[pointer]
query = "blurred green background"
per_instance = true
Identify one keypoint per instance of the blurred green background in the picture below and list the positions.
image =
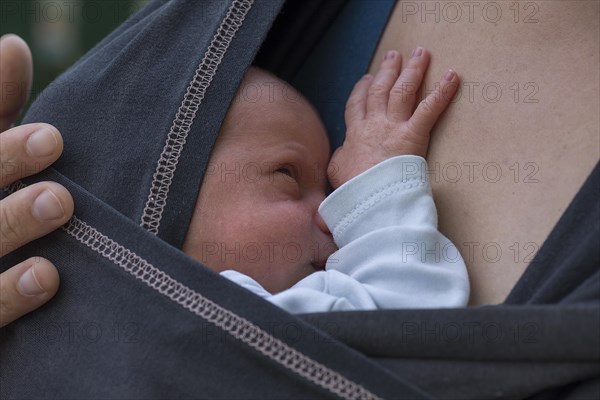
(60, 31)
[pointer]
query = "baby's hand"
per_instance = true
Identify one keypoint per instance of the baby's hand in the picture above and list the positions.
(381, 119)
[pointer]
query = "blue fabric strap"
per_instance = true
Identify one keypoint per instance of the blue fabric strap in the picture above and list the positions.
(340, 59)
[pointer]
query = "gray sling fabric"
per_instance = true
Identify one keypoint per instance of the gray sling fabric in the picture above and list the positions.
(137, 318)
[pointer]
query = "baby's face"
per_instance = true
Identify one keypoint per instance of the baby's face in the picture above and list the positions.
(257, 209)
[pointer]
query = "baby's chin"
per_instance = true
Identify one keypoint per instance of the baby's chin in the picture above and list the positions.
(318, 265)
(302, 271)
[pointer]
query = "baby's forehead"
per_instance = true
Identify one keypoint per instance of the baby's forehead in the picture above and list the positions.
(262, 96)
(268, 109)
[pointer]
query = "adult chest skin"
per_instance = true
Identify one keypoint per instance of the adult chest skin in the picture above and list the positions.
(523, 134)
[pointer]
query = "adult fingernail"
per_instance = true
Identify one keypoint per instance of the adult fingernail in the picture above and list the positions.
(389, 55)
(417, 52)
(28, 284)
(41, 143)
(449, 75)
(47, 207)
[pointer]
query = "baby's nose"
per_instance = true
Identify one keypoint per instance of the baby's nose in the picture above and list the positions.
(321, 224)
(326, 245)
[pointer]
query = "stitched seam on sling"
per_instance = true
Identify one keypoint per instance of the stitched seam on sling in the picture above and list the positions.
(238, 327)
(176, 139)
(13, 187)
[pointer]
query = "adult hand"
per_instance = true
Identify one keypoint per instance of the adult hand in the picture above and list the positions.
(36, 210)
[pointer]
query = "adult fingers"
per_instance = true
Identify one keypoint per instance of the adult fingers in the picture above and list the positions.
(27, 149)
(25, 287)
(16, 74)
(429, 110)
(379, 91)
(33, 212)
(404, 93)
(356, 106)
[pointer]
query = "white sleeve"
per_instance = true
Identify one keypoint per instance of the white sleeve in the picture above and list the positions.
(390, 255)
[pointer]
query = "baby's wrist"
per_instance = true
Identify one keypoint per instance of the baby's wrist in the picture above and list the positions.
(342, 172)
(408, 167)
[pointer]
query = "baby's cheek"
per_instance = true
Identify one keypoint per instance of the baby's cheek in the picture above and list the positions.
(294, 228)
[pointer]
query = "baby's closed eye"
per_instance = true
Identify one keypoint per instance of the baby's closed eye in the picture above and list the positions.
(286, 170)
(285, 179)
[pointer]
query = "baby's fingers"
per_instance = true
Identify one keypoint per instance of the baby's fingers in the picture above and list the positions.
(429, 110)
(356, 106)
(404, 93)
(382, 83)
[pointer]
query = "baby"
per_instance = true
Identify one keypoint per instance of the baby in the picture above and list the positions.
(262, 218)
